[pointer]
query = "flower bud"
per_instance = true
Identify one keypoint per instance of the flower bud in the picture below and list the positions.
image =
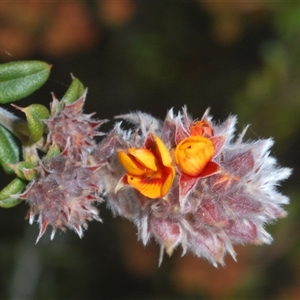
(192, 155)
(201, 128)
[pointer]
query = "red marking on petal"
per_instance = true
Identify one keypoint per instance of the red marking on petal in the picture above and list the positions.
(210, 169)
(167, 180)
(149, 187)
(149, 142)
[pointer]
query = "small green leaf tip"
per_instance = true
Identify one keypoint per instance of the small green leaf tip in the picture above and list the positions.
(14, 187)
(74, 92)
(9, 150)
(36, 128)
(35, 113)
(53, 151)
(21, 78)
(38, 110)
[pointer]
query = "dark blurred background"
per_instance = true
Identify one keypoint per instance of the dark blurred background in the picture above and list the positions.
(238, 58)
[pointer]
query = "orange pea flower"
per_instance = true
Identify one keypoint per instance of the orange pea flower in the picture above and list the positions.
(223, 194)
(193, 153)
(149, 170)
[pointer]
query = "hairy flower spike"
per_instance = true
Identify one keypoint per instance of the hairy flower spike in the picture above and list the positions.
(223, 192)
(63, 195)
(211, 190)
(66, 185)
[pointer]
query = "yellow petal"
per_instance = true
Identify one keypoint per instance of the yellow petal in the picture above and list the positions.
(148, 187)
(145, 157)
(129, 165)
(193, 153)
(163, 151)
(168, 182)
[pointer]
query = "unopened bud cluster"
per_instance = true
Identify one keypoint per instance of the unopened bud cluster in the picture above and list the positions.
(66, 190)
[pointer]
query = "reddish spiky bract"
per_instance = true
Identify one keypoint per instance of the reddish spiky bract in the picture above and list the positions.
(63, 195)
(228, 203)
(69, 122)
(66, 189)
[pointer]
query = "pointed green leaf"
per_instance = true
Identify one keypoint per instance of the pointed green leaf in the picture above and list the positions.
(34, 114)
(21, 78)
(9, 150)
(74, 92)
(9, 202)
(38, 110)
(14, 187)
